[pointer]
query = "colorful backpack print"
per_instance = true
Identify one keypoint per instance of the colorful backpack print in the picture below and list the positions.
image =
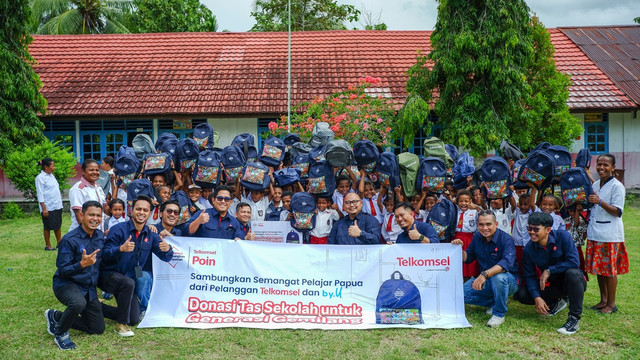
(255, 176)
(207, 169)
(303, 207)
(272, 151)
(496, 177)
(156, 163)
(398, 302)
(203, 136)
(186, 154)
(576, 187)
(431, 175)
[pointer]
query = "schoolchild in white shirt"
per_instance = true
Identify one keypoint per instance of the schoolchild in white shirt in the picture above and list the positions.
(325, 218)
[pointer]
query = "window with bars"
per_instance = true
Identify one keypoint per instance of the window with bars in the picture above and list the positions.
(596, 131)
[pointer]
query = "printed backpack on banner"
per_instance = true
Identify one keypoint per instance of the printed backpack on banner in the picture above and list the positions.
(576, 188)
(409, 164)
(317, 154)
(142, 145)
(286, 176)
(562, 160)
(539, 169)
(443, 217)
(321, 134)
(398, 302)
(255, 176)
(203, 136)
(207, 169)
(510, 151)
(583, 159)
(434, 147)
(338, 153)
(126, 162)
(136, 188)
(184, 202)
(291, 139)
(232, 161)
(246, 143)
(388, 170)
(431, 175)
(496, 177)
(452, 151)
(167, 138)
(158, 163)
(366, 154)
(186, 154)
(321, 180)
(272, 151)
(303, 207)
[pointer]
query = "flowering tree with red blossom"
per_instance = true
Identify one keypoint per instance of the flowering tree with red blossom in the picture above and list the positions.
(353, 114)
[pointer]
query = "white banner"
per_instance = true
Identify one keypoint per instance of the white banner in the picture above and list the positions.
(214, 283)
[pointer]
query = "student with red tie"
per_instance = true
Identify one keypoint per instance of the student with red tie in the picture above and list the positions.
(369, 196)
(390, 228)
(467, 212)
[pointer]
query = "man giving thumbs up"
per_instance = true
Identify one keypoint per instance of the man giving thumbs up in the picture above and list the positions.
(357, 228)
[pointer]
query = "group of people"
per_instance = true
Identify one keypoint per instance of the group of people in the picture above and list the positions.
(521, 246)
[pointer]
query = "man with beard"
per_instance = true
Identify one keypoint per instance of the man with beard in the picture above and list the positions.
(357, 228)
(495, 252)
(74, 283)
(415, 232)
(126, 251)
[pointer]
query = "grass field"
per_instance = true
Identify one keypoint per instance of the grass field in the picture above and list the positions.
(25, 292)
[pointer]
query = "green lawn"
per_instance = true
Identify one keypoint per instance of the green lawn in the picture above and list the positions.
(25, 293)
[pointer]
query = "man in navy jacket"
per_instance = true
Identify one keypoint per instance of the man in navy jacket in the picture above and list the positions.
(126, 250)
(357, 228)
(414, 231)
(554, 254)
(74, 283)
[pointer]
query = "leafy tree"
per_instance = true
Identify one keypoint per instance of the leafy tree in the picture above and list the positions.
(20, 102)
(151, 16)
(637, 20)
(370, 20)
(306, 15)
(493, 70)
(22, 166)
(57, 17)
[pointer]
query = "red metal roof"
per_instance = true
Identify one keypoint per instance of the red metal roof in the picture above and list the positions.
(615, 50)
(234, 74)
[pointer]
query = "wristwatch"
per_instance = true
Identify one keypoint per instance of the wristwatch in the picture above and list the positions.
(484, 273)
(421, 238)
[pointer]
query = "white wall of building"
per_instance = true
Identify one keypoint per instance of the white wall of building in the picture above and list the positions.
(228, 128)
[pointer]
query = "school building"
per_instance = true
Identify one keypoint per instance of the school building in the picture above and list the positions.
(102, 90)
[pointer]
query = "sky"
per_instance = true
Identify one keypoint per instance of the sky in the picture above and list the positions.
(234, 15)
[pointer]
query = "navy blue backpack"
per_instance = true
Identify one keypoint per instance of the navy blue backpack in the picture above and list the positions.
(272, 151)
(203, 136)
(542, 146)
(321, 179)
(443, 217)
(136, 188)
(517, 184)
(186, 154)
(158, 163)
(207, 169)
(184, 202)
(562, 159)
(317, 154)
(273, 214)
(496, 177)
(246, 142)
(255, 176)
(576, 188)
(169, 139)
(583, 159)
(286, 176)
(388, 170)
(398, 302)
(232, 161)
(431, 175)
(291, 139)
(452, 151)
(303, 208)
(126, 162)
(366, 154)
(539, 169)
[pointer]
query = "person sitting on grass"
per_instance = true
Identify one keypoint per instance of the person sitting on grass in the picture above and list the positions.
(76, 278)
(554, 254)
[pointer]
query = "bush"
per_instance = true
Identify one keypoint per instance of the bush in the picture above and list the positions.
(21, 166)
(11, 211)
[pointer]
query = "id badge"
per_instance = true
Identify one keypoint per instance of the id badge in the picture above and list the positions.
(138, 272)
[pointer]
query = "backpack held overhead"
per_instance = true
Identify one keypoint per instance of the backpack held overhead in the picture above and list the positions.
(272, 151)
(303, 208)
(510, 151)
(184, 202)
(539, 169)
(136, 188)
(434, 147)
(338, 153)
(207, 169)
(126, 162)
(576, 188)
(203, 136)
(232, 161)
(186, 154)
(398, 302)
(388, 170)
(286, 176)
(431, 175)
(443, 218)
(321, 180)
(496, 177)
(409, 164)
(142, 145)
(561, 159)
(158, 163)
(321, 134)
(583, 159)
(255, 176)
(246, 143)
(366, 154)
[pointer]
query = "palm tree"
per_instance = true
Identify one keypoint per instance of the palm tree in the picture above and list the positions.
(56, 17)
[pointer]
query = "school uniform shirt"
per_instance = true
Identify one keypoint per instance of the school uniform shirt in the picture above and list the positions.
(467, 221)
(424, 229)
(324, 222)
(113, 221)
(504, 217)
(370, 206)
(558, 222)
(218, 227)
(234, 205)
(604, 227)
(283, 215)
(560, 255)
(369, 227)
(68, 261)
(519, 233)
(48, 191)
(258, 209)
(500, 250)
(125, 263)
(422, 215)
(338, 199)
(82, 192)
(390, 228)
(154, 218)
(205, 203)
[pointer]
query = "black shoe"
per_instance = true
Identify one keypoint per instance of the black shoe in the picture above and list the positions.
(561, 304)
(49, 314)
(571, 326)
(64, 342)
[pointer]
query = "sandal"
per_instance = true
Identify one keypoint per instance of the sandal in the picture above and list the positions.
(49, 249)
(595, 307)
(613, 310)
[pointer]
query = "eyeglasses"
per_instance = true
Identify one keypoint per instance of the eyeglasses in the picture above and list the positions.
(174, 212)
(223, 198)
(534, 229)
(486, 212)
(351, 202)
